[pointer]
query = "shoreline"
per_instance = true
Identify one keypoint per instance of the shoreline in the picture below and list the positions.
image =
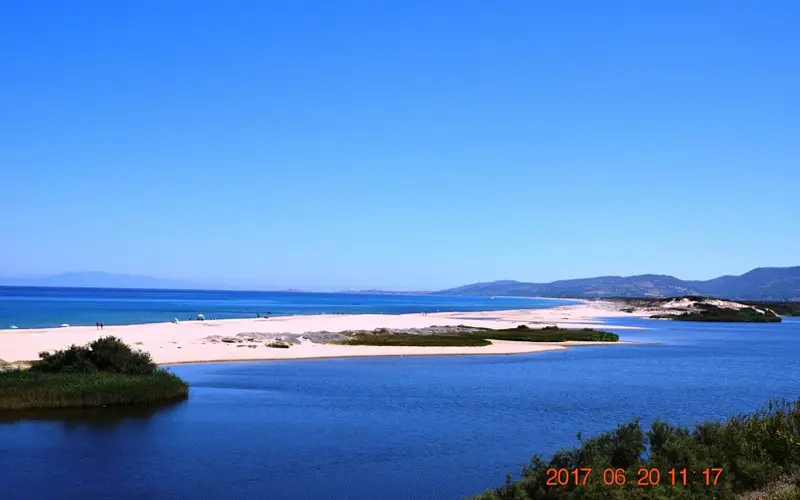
(545, 347)
(191, 341)
(16, 328)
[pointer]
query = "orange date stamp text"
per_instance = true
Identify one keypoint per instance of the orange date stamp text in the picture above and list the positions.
(642, 477)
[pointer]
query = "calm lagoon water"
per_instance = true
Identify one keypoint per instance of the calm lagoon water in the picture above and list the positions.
(31, 307)
(393, 428)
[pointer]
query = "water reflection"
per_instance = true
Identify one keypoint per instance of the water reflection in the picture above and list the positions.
(91, 417)
(390, 428)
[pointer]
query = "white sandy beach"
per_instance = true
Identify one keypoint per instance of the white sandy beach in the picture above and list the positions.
(187, 342)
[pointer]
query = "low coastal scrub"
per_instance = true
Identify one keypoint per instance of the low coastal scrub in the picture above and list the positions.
(709, 309)
(711, 313)
(547, 334)
(104, 372)
(746, 457)
(476, 337)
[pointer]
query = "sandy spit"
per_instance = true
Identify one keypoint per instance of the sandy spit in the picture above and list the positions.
(187, 342)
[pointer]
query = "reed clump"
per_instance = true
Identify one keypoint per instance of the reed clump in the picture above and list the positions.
(103, 373)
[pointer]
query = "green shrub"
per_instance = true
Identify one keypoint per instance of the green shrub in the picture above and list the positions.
(107, 354)
(104, 372)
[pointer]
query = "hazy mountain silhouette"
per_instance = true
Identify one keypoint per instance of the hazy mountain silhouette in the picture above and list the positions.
(98, 280)
(764, 283)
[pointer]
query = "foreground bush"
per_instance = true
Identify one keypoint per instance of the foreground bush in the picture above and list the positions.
(754, 452)
(104, 372)
(107, 354)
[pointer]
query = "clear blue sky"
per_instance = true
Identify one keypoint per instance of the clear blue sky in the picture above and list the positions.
(404, 145)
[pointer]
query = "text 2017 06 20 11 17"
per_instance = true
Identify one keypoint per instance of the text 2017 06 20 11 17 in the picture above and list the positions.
(643, 476)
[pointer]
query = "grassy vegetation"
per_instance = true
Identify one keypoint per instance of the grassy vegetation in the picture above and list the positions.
(711, 313)
(105, 372)
(759, 455)
(480, 337)
(27, 390)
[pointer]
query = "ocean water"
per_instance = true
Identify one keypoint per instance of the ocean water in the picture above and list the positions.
(393, 428)
(32, 307)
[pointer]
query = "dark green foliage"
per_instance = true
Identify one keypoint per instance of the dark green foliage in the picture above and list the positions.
(760, 451)
(107, 354)
(104, 372)
(481, 336)
(25, 389)
(547, 334)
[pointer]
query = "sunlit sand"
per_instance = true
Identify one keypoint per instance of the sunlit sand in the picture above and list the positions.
(187, 342)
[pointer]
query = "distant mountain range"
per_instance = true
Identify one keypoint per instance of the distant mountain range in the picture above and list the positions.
(97, 280)
(764, 283)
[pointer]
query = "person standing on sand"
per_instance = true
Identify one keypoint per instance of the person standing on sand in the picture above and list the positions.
(97, 324)
(101, 325)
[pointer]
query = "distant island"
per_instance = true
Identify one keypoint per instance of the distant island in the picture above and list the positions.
(103, 373)
(762, 284)
(692, 308)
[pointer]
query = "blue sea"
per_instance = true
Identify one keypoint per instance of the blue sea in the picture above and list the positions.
(392, 428)
(34, 307)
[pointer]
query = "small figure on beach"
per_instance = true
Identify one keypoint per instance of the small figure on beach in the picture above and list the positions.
(101, 325)
(97, 324)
